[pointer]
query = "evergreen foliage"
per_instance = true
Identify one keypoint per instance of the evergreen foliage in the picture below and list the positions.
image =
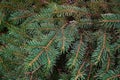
(60, 40)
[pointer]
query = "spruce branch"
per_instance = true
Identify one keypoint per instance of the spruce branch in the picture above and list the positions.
(43, 50)
(115, 76)
(102, 49)
(79, 73)
(77, 52)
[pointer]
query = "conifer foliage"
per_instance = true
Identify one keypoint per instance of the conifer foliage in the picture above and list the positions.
(60, 40)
